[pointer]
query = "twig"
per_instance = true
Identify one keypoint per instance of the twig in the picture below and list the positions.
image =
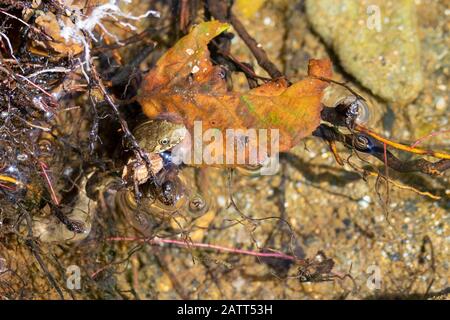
(184, 244)
(128, 135)
(133, 39)
(46, 36)
(49, 182)
(221, 10)
(405, 187)
(432, 134)
(11, 51)
(35, 85)
(34, 250)
(51, 70)
(41, 263)
(257, 50)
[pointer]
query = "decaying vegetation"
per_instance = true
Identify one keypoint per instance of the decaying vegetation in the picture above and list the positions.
(78, 76)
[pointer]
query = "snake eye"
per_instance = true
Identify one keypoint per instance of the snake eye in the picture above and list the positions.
(164, 141)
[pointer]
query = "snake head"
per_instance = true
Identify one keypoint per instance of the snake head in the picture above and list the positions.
(156, 136)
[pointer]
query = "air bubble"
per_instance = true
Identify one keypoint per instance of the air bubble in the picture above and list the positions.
(198, 205)
(355, 108)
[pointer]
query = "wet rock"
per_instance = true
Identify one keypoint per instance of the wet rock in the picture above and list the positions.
(376, 41)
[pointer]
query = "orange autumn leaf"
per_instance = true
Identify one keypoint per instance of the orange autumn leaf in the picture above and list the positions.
(186, 83)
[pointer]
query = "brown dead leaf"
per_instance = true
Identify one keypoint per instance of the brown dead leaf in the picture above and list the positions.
(49, 24)
(186, 83)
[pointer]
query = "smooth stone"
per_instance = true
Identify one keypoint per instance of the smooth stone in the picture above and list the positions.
(384, 57)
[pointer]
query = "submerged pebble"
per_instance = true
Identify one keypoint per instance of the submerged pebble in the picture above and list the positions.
(364, 202)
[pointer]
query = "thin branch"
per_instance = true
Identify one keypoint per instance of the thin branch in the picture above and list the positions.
(256, 48)
(184, 244)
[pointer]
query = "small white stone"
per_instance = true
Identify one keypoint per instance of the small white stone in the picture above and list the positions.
(267, 21)
(3, 266)
(364, 202)
(440, 104)
(195, 69)
(239, 283)
(190, 51)
(221, 201)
